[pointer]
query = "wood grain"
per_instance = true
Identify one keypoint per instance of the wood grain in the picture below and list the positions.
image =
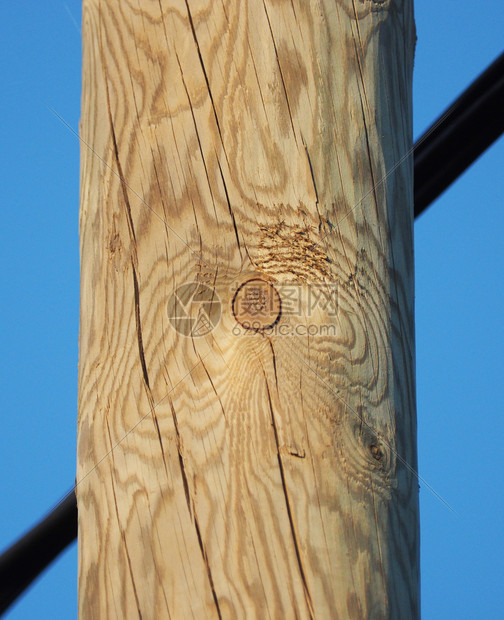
(247, 473)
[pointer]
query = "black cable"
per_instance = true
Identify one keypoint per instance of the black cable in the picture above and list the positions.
(460, 135)
(34, 551)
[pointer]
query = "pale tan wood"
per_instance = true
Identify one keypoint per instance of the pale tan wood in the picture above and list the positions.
(247, 474)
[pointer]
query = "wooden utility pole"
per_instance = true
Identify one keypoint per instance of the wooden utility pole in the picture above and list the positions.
(246, 433)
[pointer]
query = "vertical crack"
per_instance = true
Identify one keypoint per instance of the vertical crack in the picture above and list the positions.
(123, 537)
(205, 559)
(181, 460)
(288, 506)
(207, 81)
(281, 72)
(229, 207)
(141, 354)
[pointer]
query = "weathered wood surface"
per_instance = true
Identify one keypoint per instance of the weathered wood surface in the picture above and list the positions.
(247, 473)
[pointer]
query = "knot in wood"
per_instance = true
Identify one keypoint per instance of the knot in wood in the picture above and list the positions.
(257, 305)
(376, 452)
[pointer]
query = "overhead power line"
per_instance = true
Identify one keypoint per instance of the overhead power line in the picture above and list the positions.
(468, 127)
(460, 135)
(32, 553)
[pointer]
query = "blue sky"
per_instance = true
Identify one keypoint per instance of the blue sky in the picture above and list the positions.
(459, 300)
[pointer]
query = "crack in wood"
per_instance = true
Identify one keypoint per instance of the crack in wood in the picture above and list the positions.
(288, 506)
(207, 565)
